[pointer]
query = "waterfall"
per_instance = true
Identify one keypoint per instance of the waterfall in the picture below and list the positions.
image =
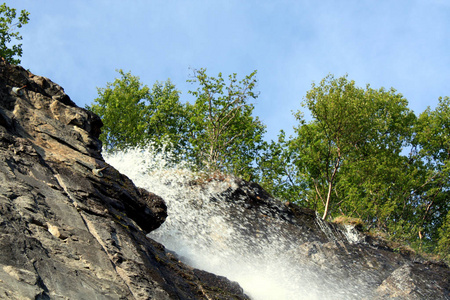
(351, 234)
(325, 228)
(212, 234)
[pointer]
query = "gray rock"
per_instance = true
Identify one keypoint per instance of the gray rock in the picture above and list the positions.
(66, 232)
(359, 266)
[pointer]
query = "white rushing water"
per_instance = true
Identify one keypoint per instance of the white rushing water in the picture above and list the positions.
(205, 236)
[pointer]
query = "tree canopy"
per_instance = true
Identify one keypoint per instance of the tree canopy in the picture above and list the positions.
(9, 22)
(133, 114)
(225, 134)
(217, 131)
(363, 153)
(432, 148)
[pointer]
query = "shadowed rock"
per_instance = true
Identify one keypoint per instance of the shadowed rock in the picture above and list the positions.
(357, 265)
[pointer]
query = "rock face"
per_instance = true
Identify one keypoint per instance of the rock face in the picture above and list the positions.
(366, 267)
(73, 227)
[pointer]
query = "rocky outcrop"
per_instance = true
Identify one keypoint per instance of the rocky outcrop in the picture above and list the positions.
(365, 267)
(73, 227)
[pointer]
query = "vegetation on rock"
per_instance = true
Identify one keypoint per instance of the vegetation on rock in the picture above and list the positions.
(225, 135)
(364, 154)
(217, 132)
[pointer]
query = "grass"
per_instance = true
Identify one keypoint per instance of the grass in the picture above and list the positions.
(344, 220)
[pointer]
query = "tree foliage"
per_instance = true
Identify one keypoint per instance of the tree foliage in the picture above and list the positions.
(432, 142)
(355, 134)
(133, 115)
(9, 22)
(365, 154)
(225, 134)
(278, 172)
(217, 131)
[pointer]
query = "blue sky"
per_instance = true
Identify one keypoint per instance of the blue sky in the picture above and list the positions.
(403, 44)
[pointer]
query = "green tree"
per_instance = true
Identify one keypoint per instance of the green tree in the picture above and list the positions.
(352, 158)
(443, 247)
(167, 121)
(433, 149)
(217, 132)
(225, 134)
(134, 115)
(277, 173)
(8, 25)
(350, 147)
(122, 108)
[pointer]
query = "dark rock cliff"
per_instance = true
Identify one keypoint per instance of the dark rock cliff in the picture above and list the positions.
(73, 227)
(365, 267)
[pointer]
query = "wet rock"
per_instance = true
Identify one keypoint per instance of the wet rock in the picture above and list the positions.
(415, 281)
(342, 260)
(66, 231)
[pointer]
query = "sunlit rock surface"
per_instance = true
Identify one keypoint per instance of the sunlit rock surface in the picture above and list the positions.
(73, 227)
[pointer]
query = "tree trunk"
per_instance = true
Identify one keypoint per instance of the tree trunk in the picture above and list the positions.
(330, 184)
(325, 213)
